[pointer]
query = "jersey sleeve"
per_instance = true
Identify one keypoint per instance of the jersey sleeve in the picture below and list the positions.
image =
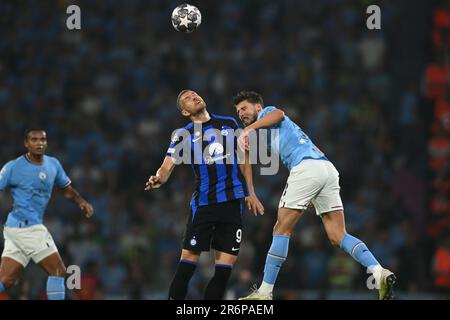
(61, 180)
(265, 111)
(5, 176)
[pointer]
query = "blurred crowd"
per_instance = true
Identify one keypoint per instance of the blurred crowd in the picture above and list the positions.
(437, 90)
(106, 94)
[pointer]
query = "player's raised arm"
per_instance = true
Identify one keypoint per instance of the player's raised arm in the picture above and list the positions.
(270, 119)
(252, 200)
(72, 194)
(162, 175)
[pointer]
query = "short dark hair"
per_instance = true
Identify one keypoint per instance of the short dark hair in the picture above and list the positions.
(250, 96)
(29, 130)
(179, 97)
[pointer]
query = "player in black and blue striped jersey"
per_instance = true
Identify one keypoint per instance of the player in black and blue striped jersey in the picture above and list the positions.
(222, 185)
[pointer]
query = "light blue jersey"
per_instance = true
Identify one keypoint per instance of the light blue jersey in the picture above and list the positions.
(294, 145)
(31, 186)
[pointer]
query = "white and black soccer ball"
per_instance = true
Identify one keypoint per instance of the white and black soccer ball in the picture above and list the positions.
(186, 18)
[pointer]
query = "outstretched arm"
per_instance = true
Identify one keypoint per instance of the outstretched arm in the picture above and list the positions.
(272, 118)
(252, 200)
(72, 194)
(162, 175)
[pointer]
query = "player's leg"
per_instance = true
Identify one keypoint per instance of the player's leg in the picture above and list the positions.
(286, 221)
(56, 271)
(329, 207)
(197, 238)
(227, 238)
(10, 271)
(45, 254)
(334, 223)
(14, 259)
(215, 290)
(186, 267)
(303, 184)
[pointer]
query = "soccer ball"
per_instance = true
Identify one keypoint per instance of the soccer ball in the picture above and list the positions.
(186, 18)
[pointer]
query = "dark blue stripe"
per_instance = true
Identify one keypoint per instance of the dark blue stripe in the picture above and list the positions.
(224, 266)
(204, 178)
(221, 179)
(188, 261)
(204, 185)
(226, 118)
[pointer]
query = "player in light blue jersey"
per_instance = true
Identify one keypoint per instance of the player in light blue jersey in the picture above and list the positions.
(313, 180)
(31, 179)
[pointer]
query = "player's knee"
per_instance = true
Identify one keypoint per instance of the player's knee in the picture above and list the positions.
(190, 255)
(8, 281)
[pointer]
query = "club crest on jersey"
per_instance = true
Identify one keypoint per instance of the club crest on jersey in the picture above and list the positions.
(42, 175)
(215, 149)
(193, 242)
(224, 132)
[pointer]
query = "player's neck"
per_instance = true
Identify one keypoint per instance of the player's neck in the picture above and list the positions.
(35, 158)
(201, 117)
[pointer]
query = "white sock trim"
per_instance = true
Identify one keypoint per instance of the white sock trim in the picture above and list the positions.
(354, 248)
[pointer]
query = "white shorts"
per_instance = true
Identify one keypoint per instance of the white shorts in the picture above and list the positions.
(23, 244)
(315, 181)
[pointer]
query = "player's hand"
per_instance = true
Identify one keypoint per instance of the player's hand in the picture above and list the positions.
(153, 182)
(243, 141)
(85, 206)
(253, 204)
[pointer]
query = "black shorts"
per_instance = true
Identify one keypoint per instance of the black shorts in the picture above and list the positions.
(217, 226)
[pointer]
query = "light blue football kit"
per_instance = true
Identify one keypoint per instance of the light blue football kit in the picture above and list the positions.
(293, 145)
(31, 187)
(312, 178)
(26, 237)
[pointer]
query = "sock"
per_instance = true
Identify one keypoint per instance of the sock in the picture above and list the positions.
(215, 290)
(275, 257)
(179, 286)
(2, 287)
(55, 288)
(358, 250)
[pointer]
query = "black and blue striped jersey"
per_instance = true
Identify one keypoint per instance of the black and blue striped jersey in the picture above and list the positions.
(211, 149)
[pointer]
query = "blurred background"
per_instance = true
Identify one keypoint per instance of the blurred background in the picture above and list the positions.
(377, 102)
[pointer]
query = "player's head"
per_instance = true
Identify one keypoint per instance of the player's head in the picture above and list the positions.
(190, 103)
(35, 140)
(248, 104)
